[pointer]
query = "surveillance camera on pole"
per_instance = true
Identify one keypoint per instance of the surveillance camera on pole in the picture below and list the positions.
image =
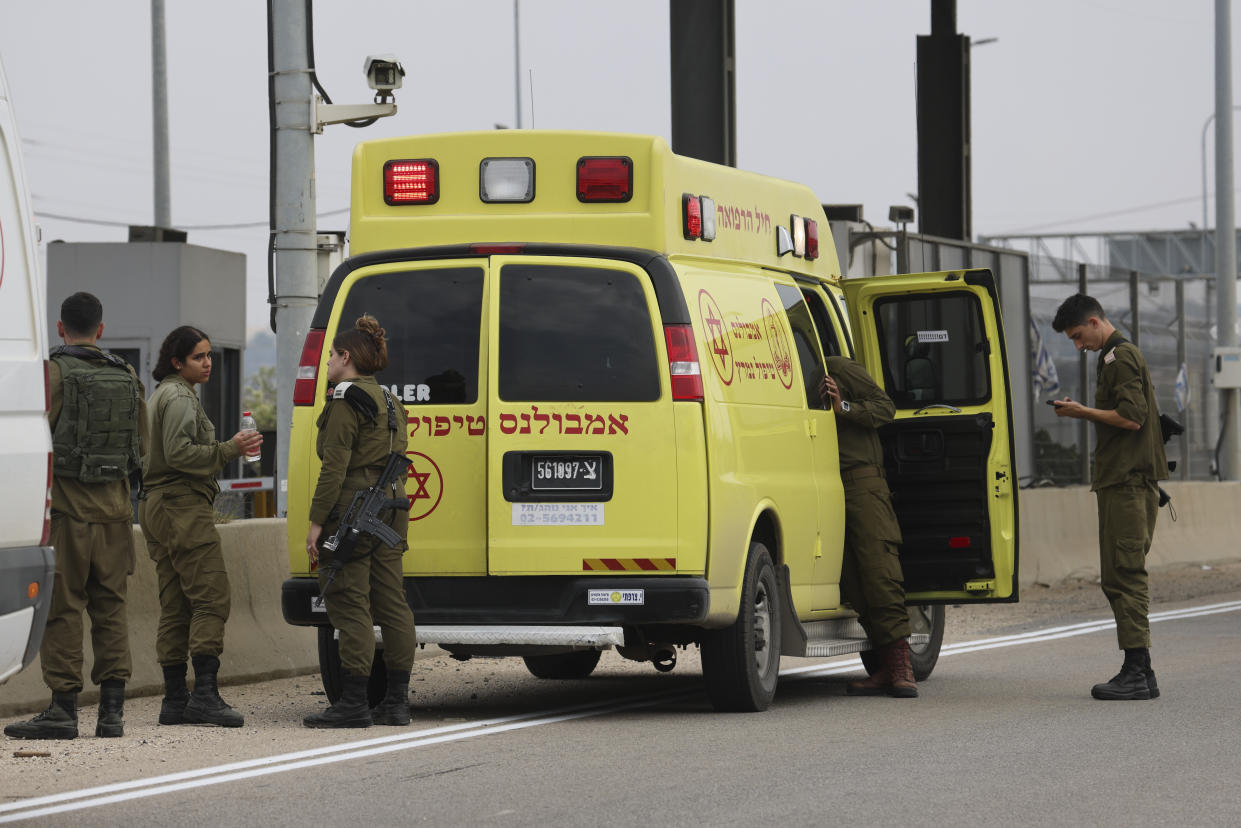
(383, 74)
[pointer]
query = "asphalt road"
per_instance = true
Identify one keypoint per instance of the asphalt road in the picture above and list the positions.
(1005, 731)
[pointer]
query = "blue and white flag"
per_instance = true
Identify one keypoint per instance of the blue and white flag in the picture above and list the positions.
(1182, 388)
(1043, 368)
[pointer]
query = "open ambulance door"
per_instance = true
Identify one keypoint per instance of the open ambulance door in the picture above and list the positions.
(935, 342)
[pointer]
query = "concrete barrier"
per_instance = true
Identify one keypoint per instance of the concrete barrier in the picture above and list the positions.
(1060, 530)
(1059, 540)
(258, 644)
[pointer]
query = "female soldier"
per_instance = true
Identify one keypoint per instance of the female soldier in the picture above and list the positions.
(360, 426)
(179, 481)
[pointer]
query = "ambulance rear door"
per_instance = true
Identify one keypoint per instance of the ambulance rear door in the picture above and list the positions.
(935, 342)
(581, 438)
(434, 314)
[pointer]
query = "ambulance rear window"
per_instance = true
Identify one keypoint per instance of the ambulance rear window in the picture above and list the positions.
(432, 320)
(575, 334)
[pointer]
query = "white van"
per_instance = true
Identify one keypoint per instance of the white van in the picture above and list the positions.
(26, 561)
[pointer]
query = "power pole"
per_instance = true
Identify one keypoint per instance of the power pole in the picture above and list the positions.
(299, 116)
(296, 290)
(1226, 238)
(159, 116)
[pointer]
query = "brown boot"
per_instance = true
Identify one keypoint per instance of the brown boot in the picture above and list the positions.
(903, 685)
(879, 684)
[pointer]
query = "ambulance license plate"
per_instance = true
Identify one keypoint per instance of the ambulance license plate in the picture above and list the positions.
(566, 471)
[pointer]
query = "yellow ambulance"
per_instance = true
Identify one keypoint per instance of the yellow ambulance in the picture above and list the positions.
(609, 355)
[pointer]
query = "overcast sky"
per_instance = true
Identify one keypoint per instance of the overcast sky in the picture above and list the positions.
(1087, 114)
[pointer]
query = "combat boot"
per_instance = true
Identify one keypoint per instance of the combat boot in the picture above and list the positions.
(877, 684)
(394, 709)
(59, 721)
(350, 709)
(1127, 685)
(111, 723)
(1151, 684)
(176, 694)
(903, 684)
(205, 705)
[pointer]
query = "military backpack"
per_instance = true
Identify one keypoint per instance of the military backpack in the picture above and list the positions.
(96, 436)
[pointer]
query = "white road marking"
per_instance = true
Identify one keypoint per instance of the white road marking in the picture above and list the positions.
(249, 769)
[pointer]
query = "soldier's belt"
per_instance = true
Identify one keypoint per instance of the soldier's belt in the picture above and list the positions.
(861, 473)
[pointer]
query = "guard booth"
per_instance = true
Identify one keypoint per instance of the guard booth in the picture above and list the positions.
(148, 287)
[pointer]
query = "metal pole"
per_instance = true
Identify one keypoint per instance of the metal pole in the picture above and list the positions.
(295, 250)
(1203, 268)
(1134, 320)
(517, 56)
(159, 115)
(1182, 350)
(1083, 385)
(1226, 236)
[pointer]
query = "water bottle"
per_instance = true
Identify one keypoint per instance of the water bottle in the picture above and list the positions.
(248, 424)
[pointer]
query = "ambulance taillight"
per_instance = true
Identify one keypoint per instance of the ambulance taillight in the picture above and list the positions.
(412, 181)
(604, 179)
(308, 368)
(683, 365)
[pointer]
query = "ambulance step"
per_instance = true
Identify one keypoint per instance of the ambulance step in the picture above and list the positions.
(828, 647)
(598, 638)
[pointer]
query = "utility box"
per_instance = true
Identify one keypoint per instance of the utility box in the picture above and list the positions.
(148, 288)
(1226, 365)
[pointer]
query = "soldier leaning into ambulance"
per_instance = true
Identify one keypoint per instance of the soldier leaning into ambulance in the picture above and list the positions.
(871, 579)
(360, 425)
(178, 521)
(1129, 461)
(95, 448)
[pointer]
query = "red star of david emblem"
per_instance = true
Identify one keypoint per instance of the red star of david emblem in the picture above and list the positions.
(423, 483)
(421, 479)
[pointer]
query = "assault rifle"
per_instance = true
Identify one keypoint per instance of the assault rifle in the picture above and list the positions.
(362, 518)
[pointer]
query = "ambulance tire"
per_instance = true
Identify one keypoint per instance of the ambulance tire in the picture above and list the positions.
(741, 677)
(575, 665)
(923, 657)
(330, 670)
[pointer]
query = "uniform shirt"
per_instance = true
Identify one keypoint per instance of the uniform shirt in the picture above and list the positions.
(350, 446)
(869, 408)
(184, 450)
(1121, 455)
(91, 502)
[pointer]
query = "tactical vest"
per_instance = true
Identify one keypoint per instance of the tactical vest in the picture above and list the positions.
(96, 436)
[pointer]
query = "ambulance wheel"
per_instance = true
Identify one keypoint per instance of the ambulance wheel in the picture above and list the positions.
(330, 670)
(922, 657)
(741, 663)
(575, 665)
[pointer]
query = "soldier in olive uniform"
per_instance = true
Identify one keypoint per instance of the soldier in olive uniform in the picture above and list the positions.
(95, 448)
(177, 518)
(1129, 461)
(870, 577)
(360, 425)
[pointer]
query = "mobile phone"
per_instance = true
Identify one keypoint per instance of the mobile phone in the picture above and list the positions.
(1053, 402)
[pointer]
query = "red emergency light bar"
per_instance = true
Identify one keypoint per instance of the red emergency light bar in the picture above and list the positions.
(412, 181)
(605, 179)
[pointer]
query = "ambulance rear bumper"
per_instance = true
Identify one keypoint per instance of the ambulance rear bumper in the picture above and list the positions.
(530, 601)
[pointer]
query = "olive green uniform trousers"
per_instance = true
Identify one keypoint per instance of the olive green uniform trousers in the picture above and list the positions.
(369, 590)
(1126, 525)
(93, 565)
(194, 593)
(870, 578)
